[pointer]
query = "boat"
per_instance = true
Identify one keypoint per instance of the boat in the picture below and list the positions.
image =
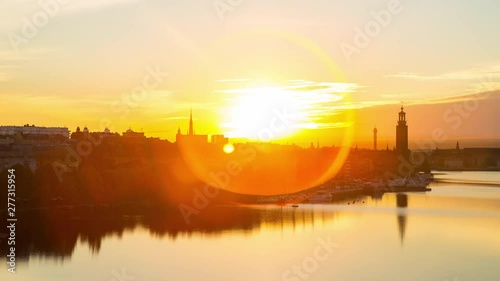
(295, 206)
(320, 197)
(416, 183)
(396, 183)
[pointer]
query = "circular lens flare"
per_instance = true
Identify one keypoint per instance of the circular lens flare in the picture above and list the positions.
(264, 168)
(228, 148)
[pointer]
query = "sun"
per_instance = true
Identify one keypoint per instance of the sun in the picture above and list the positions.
(264, 114)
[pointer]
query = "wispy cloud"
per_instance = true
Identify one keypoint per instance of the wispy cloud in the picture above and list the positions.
(6, 72)
(233, 80)
(8, 56)
(283, 22)
(175, 118)
(462, 98)
(308, 105)
(19, 9)
(469, 74)
(10, 61)
(78, 5)
(332, 125)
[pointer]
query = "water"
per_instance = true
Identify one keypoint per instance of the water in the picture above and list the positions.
(451, 233)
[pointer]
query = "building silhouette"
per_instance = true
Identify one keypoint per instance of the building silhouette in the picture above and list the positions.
(219, 139)
(402, 134)
(34, 130)
(375, 131)
(466, 159)
(191, 138)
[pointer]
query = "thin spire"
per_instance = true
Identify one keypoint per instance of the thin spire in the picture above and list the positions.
(191, 129)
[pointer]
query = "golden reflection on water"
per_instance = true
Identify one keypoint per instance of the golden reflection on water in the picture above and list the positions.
(451, 232)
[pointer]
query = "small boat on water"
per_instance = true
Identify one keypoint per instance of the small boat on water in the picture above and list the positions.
(295, 206)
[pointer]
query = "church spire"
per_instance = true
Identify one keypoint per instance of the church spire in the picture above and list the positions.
(191, 130)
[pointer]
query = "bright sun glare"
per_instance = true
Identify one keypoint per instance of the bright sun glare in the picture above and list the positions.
(264, 113)
(279, 112)
(228, 148)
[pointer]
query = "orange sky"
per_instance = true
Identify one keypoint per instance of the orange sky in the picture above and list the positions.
(143, 65)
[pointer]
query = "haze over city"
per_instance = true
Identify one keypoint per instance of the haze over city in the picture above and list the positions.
(249, 140)
(316, 60)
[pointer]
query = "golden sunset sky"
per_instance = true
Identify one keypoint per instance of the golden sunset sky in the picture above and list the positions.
(144, 64)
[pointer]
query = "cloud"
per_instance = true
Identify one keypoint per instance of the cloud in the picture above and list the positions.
(469, 74)
(78, 5)
(308, 105)
(10, 61)
(327, 125)
(462, 98)
(6, 72)
(4, 77)
(8, 56)
(176, 118)
(283, 22)
(233, 80)
(17, 10)
(11, 20)
(392, 96)
(323, 87)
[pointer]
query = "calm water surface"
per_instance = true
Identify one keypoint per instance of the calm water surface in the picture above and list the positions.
(451, 233)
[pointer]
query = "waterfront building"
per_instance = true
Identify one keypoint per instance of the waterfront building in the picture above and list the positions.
(34, 130)
(402, 134)
(484, 159)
